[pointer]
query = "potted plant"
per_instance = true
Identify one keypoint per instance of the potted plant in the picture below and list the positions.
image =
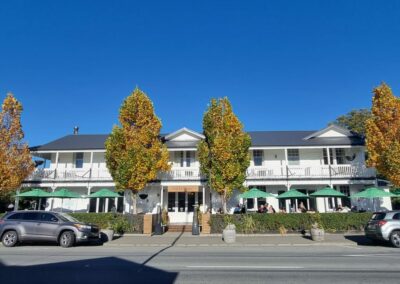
(108, 233)
(317, 230)
(229, 233)
(164, 220)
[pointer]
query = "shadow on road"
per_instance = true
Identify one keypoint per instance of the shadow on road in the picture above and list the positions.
(98, 270)
(164, 249)
(364, 241)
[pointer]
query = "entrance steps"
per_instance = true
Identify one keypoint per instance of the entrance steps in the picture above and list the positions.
(180, 227)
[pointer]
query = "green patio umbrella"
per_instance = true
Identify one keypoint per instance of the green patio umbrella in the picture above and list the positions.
(293, 193)
(64, 193)
(103, 193)
(372, 193)
(327, 192)
(34, 193)
(255, 193)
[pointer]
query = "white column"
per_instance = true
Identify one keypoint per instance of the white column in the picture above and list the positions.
(329, 165)
(16, 199)
(91, 164)
(106, 205)
(204, 199)
(97, 205)
(56, 168)
(53, 188)
(162, 198)
(116, 204)
(88, 199)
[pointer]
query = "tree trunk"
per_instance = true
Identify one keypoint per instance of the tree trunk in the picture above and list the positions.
(224, 202)
(134, 199)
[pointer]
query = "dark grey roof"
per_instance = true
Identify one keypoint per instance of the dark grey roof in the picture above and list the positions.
(75, 142)
(258, 138)
(296, 138)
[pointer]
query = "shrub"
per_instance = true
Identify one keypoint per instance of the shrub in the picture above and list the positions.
(118, 222)
(271, 223)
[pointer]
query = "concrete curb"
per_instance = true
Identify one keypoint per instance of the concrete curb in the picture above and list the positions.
(234, 245)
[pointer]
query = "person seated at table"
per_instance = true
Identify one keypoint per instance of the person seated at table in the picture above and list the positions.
(302, 208)
(271, 209)
(262, 209)
(237, 209)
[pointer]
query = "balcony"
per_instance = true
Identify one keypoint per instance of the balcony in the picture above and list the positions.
(181, 174)
(104, 175)
(70, 175)
(295, 172)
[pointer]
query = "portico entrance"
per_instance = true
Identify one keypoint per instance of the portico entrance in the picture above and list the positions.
(182, 201)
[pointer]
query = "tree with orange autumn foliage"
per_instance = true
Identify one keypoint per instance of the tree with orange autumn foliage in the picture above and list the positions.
(134, 151)
(383, 134)
(224, 153)
(16, 162)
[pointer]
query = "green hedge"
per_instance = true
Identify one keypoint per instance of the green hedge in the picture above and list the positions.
(271, 223)
(120, 223)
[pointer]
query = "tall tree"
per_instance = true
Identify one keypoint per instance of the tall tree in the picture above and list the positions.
(224, 153)
(354, 121)
(16, 162)
(383, 134)
(134, 151)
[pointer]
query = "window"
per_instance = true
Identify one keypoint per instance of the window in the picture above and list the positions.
(179, 158)
(345, 189)
(171, 201)
(325, 155)
(47, 217)
(340, 156)
(258, 157)
(396, 216)
(15, 216)
(189, 158)
(31, 216)
(293, 156)
(78, 160)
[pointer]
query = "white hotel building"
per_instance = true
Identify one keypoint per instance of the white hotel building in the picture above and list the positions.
(280, 160)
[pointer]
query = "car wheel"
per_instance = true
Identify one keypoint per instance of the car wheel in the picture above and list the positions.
(9, 239)
(395, 239)
(67, 239)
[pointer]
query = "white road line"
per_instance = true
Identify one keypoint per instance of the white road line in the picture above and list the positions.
(242, 267)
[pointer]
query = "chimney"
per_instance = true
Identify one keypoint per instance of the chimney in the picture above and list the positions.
(76, 130)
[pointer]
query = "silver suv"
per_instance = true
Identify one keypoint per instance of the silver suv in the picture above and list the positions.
(384, 226)
(19, 226)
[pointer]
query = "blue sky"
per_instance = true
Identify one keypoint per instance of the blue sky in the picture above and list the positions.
(285, 65)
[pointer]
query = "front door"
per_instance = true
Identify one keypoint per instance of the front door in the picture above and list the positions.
(181, 206)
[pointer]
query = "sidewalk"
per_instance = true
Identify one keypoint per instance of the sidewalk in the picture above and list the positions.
(188, 240)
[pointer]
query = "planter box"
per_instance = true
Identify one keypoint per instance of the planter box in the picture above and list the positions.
(229, 234)
(107, 235)
(317, 234)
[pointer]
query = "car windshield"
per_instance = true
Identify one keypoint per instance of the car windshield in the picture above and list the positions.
(67, 218)
(378, 216)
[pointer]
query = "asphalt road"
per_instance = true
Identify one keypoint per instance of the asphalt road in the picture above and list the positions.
(279, 264)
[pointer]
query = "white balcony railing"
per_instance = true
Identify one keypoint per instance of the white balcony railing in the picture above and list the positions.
(181, 174)
(291, 172)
